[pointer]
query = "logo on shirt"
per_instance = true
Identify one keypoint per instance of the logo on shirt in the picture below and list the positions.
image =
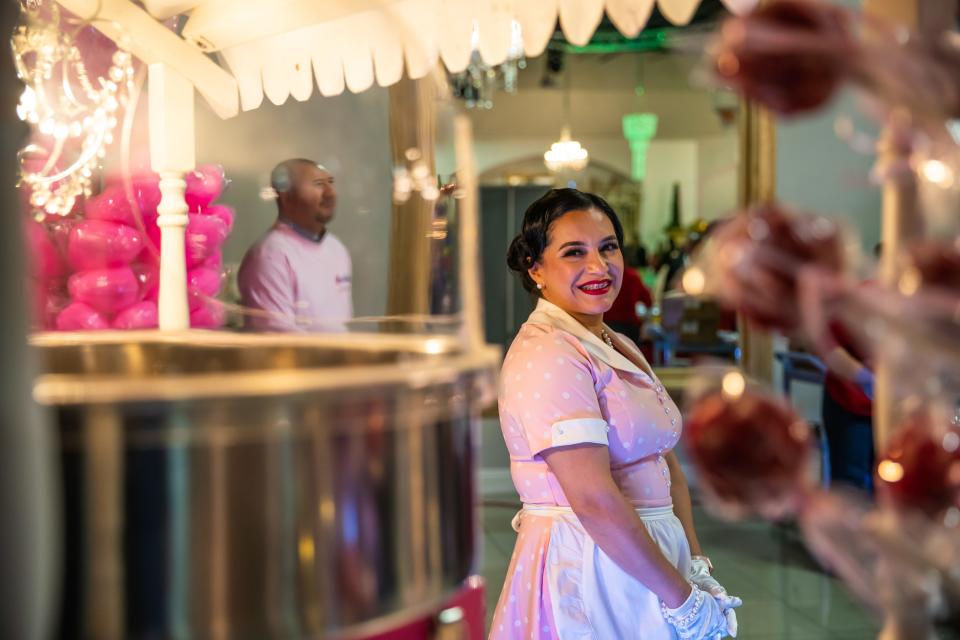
(342, 279)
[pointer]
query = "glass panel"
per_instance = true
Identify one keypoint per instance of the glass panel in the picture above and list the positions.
(336, 214)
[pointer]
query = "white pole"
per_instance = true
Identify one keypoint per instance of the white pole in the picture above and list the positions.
(172, 154)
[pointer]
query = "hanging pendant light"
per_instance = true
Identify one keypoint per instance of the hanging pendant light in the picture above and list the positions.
(566, 154)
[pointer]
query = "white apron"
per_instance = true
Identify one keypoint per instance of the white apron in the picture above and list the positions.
(590, 595)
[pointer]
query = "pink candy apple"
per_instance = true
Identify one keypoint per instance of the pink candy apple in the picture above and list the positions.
(224, 212)
(204, 236)
(81, 317)
(142, 315)
(46, 261)
(214, 261)
(209, 315)
(106, 290)
(97, 243)
(148, 276)
(204, 184)
(111, 205)
(147, 193)
(202, 283)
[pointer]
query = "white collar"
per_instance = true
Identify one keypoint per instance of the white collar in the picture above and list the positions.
(550, 314)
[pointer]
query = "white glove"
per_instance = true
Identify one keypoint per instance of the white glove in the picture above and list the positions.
(698, 618)
(700, 568)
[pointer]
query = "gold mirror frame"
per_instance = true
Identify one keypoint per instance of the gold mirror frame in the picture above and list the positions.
(758, 183)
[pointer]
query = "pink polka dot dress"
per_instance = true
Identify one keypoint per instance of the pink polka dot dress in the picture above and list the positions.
(560, 385)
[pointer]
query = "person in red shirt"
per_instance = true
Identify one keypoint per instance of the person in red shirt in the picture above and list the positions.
(848, 412)
(622, 316)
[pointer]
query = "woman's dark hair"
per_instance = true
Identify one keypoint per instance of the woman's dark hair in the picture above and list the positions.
(527, 248)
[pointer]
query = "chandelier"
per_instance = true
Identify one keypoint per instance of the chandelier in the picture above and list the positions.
(566, 154)
(476, 84)
(73, 115)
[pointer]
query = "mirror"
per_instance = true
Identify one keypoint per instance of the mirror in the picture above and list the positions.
(663, 147)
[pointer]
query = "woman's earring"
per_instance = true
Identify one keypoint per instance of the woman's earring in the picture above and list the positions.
(539, 286)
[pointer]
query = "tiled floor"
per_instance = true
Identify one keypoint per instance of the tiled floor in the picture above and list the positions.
(785, 595)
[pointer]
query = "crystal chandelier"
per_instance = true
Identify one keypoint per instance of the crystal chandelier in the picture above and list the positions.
(566, 154)
(75, 115)
(477, 83)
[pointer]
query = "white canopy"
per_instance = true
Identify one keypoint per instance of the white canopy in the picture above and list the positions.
(280, 48)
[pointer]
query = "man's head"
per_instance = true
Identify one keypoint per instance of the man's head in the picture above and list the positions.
(305, 193)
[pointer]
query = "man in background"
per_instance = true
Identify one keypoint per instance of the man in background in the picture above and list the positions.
(297, 277)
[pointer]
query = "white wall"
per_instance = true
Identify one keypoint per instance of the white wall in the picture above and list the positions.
(668, 162)
(819, 172)
(718, 167)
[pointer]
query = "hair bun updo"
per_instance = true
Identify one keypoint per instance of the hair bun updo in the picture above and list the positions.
(519, 256)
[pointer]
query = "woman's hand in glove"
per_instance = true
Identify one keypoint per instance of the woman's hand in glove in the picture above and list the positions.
(698, 618)
(700, 568)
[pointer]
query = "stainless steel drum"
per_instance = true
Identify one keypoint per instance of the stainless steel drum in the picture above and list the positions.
(259, 487)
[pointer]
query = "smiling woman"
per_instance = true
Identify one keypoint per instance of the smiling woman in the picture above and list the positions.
(606, 545)
(569, 253)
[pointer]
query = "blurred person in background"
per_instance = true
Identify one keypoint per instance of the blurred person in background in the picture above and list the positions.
(297, 277)
(633, 303)
(847, 409)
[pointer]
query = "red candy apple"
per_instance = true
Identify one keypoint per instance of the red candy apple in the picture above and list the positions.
(756, 258)
(921, 467)
(751, 451)
(936, 264)
(790, 55)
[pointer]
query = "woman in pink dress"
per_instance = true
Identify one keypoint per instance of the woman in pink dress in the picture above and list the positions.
(606, 532)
